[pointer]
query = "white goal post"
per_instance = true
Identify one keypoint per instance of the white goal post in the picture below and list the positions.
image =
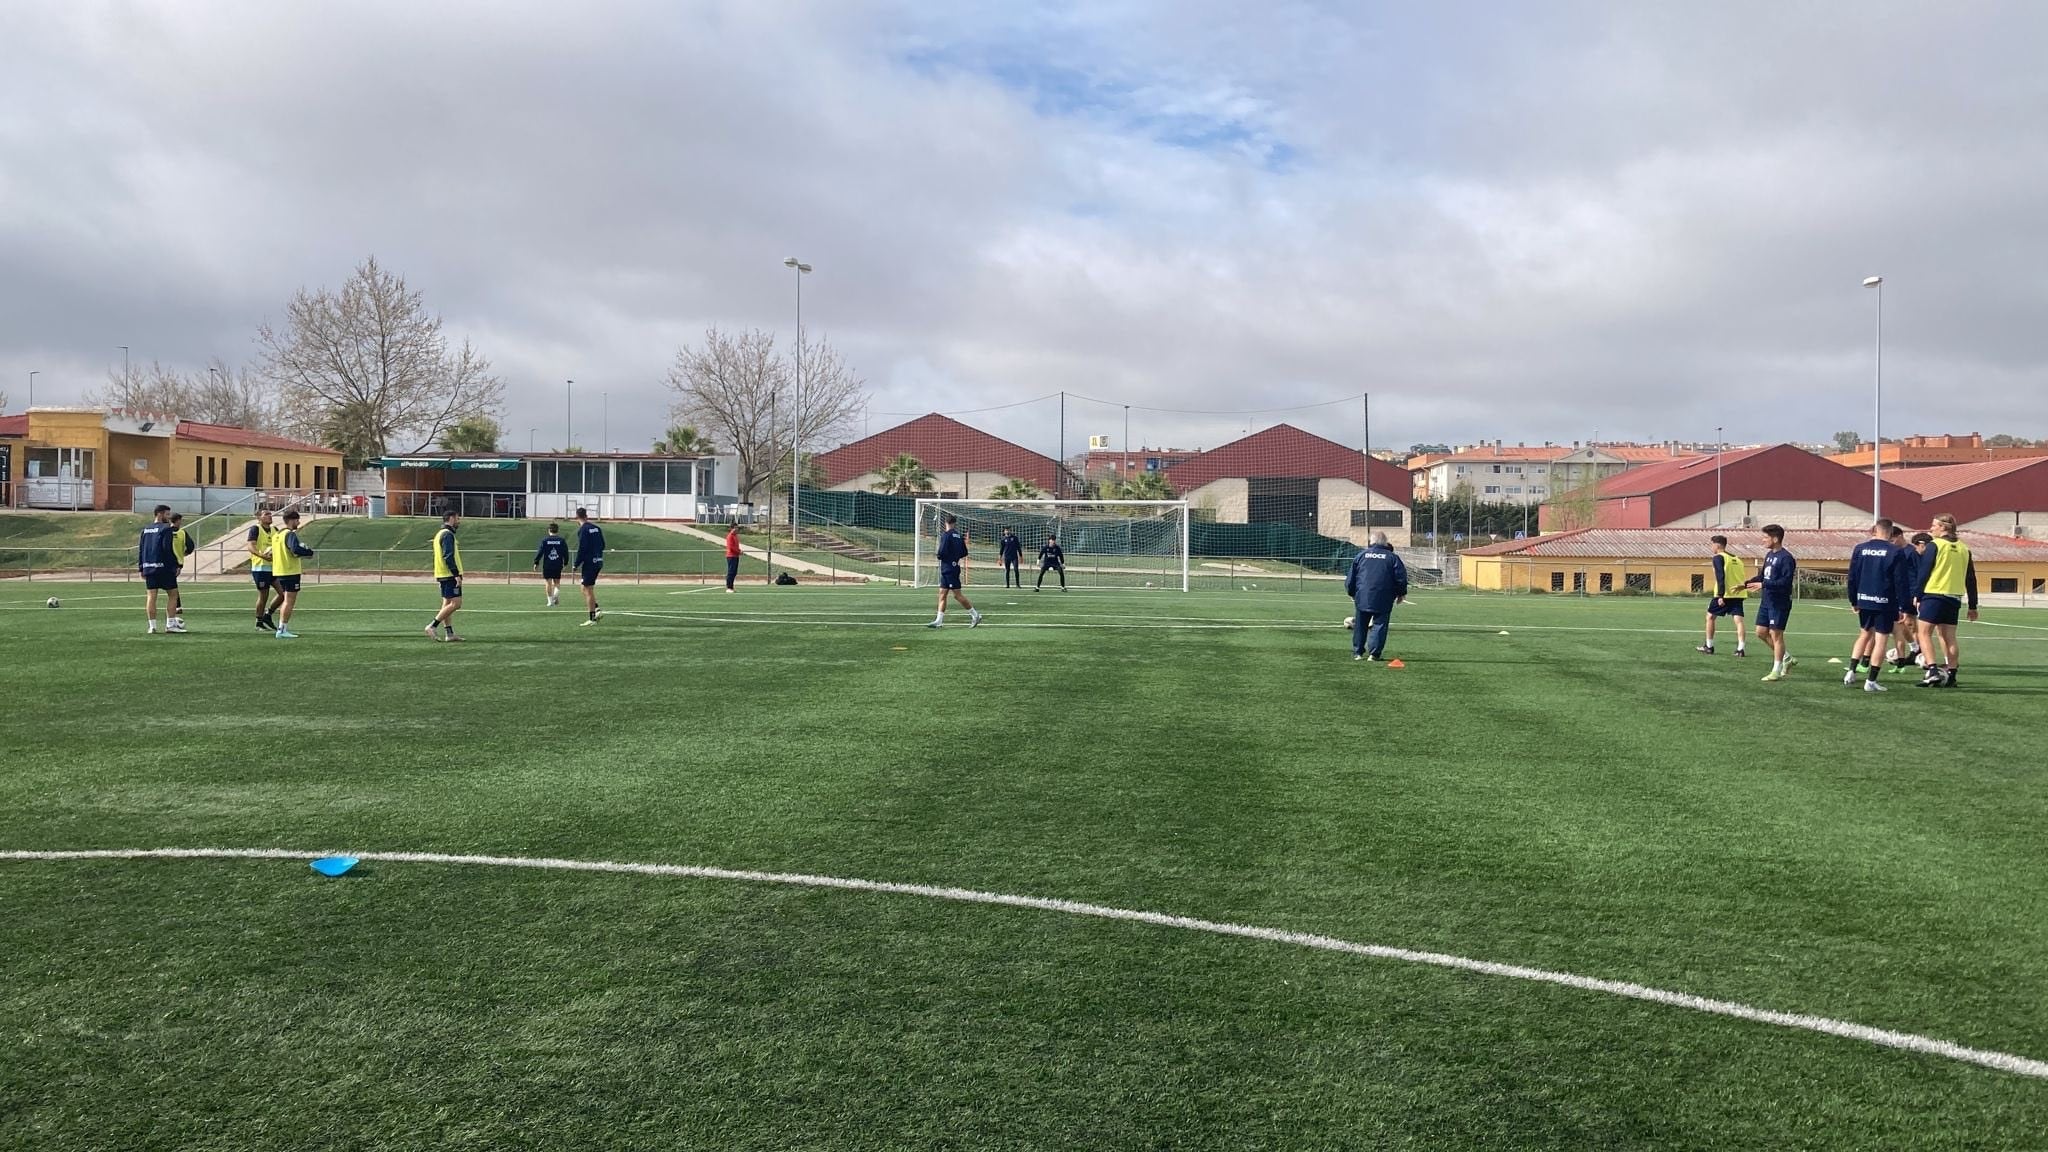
(1108, 543)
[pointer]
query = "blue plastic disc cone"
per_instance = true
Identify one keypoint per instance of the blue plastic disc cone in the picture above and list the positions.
(334, 865)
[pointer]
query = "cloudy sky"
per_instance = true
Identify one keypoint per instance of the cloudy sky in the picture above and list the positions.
(1503, 220)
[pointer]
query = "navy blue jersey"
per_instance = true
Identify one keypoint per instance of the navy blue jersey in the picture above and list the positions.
(1874, 576)
(155, 553)
(1905, 576)
(553, 551)
(1051, 555)
(952, 550)
(1013, 548)
(1377, 579)
(589, 544)
(1777, 574)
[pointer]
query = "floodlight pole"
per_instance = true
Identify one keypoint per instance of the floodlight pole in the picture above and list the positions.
(32, 388)
(796, 424)
(568, 415)
(1877, 409)
(1365, 411)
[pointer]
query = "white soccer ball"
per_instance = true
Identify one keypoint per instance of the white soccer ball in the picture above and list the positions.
(51, 602)
(1351, 621)
(1891, 655)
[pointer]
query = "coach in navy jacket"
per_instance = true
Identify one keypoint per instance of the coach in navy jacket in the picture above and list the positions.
(1377, 582)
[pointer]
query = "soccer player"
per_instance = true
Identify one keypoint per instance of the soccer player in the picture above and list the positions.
(181, 547)
(732, 556)
(952, 551)
(1013, 551)
(1947, 575)
(287, 560)
(447, 570)
(549, 558)
(259, 568)
(159, 570)
(589, 560)
(1378, 581)
(1874, 586)
(1905, 650)
(1729, 573)
(1051, 558)
(1774, 581)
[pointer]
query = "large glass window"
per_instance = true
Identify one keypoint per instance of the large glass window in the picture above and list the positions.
(543, 475)
(629, 476)
(572, 475)
(597, 477)
(679, 477)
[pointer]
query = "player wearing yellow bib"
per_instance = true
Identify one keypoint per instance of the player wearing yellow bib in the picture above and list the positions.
(259, 568)
(1947, 577)
(287, 561)
(1728, 594)
(447, 570)
(181, 547)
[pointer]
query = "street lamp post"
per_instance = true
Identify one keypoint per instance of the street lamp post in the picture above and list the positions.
(127, 380)
(530, 434)
(32, 387)
(796, 401)
(1877, 407)
(568, 414)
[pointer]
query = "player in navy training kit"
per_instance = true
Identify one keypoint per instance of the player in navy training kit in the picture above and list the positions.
(552, 554)
(1905, 632)
(952, 551)
(158, 566)
(1877, 585)
(1012, 550)
(589, 561)
(1051, 558)
(1774, 583)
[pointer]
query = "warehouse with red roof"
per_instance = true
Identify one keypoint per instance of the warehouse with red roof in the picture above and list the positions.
(1781, 484)
(965, 462)
(1287, 475)
(2007, 497)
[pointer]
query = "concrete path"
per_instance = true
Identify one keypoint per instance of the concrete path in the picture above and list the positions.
(784, 560)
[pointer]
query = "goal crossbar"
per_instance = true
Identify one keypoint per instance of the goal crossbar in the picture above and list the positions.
(1168, 544)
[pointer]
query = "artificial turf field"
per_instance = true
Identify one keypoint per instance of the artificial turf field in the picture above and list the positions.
(1584, 794)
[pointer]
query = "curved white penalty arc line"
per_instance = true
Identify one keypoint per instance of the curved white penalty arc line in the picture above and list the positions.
(1905, 1041)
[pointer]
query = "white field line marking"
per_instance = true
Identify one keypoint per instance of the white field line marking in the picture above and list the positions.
(1906, 1041)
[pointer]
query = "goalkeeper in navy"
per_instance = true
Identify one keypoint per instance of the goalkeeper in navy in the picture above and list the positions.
(1051, 558)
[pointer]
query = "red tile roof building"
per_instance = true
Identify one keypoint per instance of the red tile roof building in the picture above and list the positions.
(1781, 484)
(966, 463)
(2008, 497)
(1935, 451)
(1283, 474)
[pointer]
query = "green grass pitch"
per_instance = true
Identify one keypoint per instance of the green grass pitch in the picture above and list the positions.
(1584, 794)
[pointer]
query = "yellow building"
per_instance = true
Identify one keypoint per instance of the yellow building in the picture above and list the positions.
(98, 457)
(1674, 562)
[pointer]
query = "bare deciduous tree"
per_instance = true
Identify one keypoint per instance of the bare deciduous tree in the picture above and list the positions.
(368, 365)
(739, 389)
(219, 395)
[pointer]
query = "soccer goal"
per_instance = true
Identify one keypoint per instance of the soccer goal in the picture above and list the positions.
(1105, 543)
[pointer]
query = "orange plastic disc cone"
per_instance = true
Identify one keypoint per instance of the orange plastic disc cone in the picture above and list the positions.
(1395, 664)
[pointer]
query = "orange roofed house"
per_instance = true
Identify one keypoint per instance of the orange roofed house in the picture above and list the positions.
(105, 458)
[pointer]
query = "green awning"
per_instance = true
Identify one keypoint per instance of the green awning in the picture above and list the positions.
(446, 465)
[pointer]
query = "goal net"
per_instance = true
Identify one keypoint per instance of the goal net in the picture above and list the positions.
(1105, 543)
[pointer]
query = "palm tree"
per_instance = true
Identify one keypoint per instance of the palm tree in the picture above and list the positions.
(906, 475)
(684, 440)
(1016, 490)
(1145, 486)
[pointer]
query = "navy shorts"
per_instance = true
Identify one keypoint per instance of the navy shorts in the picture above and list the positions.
(161, 580)
(451, 587)
(552, 573)
(949, 579)
(1773, 614)
(287, 583)
(1725, 607)
(590, 573)
(262, 578)
(1940, 609)
(1878, 620)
